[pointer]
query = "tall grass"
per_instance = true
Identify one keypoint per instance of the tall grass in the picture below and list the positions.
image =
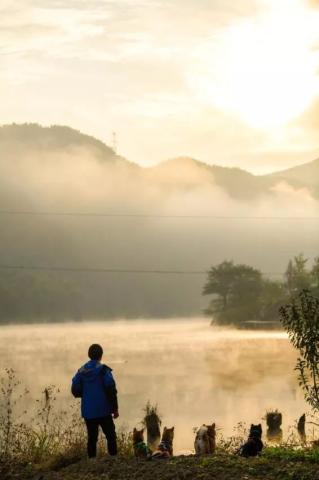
(43, 432)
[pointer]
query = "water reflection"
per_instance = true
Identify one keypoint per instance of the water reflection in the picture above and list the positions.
(195, 373)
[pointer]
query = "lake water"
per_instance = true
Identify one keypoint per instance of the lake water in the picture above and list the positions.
(194, 372)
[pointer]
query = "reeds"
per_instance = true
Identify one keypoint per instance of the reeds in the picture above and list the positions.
(56, 437)
(47, 434)
(152, 422)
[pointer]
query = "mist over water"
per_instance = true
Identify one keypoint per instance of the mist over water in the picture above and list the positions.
(194, 372)
(43, 176)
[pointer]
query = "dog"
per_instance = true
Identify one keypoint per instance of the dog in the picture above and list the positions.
(205, 441)
(211, 432)
(254, 444)
(141, 450)
(165, 448)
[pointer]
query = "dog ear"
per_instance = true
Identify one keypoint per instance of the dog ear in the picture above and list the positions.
(259, 425)
(164, 429)
(134, 431)
(213, 425)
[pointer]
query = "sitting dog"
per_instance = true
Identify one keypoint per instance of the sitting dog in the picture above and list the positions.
(205, 441)
(211, 432)
(141, 450)
(254, 445)
(165, 448)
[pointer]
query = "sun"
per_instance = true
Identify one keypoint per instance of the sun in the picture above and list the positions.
(265, 71)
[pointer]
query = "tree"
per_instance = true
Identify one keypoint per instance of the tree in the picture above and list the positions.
(301, 320)
(236, 290)
(315, 276)
(220, 282)
(273, 296)
(297, 275)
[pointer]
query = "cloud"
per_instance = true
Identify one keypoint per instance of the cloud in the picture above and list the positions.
(310, 119)
(124, 65)
(313, 3)
(149, 27)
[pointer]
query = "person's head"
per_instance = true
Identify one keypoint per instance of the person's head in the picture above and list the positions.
(95, 352)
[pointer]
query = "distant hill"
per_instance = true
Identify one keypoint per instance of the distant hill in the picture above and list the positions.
(182, 173)
(306, 175)
(189, 173)
(29, 137)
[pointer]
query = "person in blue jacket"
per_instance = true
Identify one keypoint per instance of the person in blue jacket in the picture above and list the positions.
(95, 384)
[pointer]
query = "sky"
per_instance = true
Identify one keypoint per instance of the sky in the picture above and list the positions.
(234, 83)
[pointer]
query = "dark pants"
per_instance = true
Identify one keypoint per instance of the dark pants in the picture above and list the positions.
(108, 428)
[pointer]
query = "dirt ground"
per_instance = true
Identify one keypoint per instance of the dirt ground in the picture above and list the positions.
(221, 467)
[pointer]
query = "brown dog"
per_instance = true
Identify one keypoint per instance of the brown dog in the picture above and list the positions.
(141, 450)
(205, 441)
(165, 448)
(211, 432)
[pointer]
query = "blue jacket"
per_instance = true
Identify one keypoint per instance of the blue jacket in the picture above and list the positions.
(93, 384)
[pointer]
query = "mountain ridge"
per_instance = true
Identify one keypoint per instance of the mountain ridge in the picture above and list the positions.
(307, 172)
(239, 183)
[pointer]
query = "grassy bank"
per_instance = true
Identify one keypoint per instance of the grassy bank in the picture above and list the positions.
(274, 464)
(50, 444)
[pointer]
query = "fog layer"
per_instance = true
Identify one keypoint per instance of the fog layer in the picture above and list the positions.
(81, 175)
(197, 374)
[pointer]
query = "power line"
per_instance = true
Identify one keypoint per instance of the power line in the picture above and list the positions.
(151, 215)
(102, 270)
(113, 270)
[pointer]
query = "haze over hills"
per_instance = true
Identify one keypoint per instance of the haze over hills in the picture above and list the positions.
(190, 173)
(19, 141)
(305, 175)
(29, 137)
(239, 183)
(192, 215)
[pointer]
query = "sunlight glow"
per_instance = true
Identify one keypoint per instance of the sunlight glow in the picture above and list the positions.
(264, 71)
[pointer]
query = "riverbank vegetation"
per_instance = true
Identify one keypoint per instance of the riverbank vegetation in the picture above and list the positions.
(241, 294)
(275, 464)
(45, 442)
(40, 440)
(37, 431)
